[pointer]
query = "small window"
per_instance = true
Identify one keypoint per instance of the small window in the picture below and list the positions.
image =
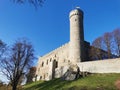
(42, 64)
(40, 77)
(55, 55)
(75, 19)
(56, 64)
(50, 59)
(47, 62)
(68, 60)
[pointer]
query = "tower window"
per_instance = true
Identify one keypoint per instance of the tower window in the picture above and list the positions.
(75, 19)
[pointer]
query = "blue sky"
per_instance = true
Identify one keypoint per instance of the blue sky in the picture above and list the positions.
(48, 27)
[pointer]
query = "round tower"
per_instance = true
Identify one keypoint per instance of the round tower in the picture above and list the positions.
(76, 36)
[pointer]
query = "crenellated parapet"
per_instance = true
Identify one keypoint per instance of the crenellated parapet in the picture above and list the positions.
(76, 11)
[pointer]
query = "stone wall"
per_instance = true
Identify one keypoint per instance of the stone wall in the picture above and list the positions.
(59, 72)
(48, 63)
(101, 66)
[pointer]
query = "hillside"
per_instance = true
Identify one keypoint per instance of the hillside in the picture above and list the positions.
(91, 82)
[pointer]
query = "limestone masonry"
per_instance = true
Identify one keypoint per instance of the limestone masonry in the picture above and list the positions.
(75, 52)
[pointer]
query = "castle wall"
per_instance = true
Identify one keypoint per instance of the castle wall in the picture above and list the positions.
(59, 72)
(56, 63)
(49, 62)
(101, 66)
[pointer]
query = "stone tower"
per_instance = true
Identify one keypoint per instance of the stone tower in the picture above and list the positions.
(76, 36)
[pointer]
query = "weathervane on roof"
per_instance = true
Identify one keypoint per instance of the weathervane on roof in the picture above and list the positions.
(77, 7)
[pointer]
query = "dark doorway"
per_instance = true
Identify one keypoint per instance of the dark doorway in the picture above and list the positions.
(55, 65)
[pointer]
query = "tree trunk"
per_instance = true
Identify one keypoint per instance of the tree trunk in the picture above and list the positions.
(14, 87)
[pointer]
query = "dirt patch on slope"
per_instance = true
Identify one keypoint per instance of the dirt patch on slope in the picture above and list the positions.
(117, 84)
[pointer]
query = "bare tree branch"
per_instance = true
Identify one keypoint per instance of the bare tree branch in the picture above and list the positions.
(35, 3)
(116, 37)
(17, 63)
(108, 43)
(96, 50)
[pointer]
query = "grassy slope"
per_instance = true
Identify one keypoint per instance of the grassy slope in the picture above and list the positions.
(91, 82)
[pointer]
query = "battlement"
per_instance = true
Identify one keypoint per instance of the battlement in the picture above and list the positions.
(76, 11)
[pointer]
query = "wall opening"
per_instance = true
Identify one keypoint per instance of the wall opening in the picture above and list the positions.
(40, 77)
(42, 64)
(55, 65)
(50, 59)
(44, 76)
(47, 62)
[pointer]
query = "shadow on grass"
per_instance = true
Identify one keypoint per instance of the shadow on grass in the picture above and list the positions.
(92, 82)
(55, 84)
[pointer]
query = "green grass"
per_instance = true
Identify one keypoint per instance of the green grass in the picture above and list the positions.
(91, 82)
(5, 87)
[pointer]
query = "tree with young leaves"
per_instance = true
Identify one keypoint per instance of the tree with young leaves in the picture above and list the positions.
(18, 61)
